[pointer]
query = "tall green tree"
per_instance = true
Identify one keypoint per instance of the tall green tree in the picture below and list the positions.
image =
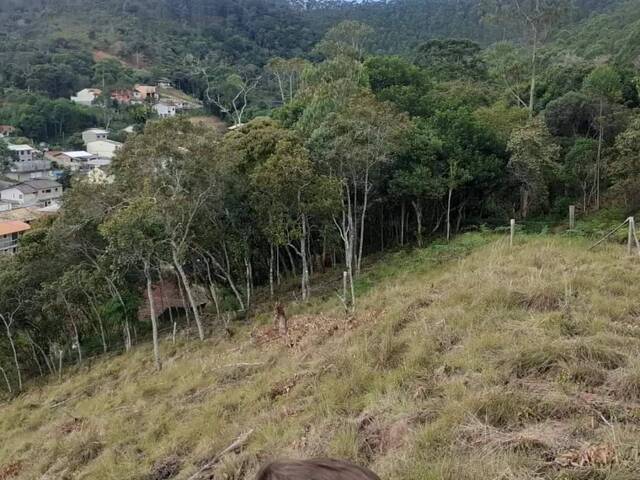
(534, 18)
(534, 157)
(604, 83)
(289, 194)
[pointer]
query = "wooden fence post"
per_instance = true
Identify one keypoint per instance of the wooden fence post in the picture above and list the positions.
(572, 217)
(631, 236)
(513, 232)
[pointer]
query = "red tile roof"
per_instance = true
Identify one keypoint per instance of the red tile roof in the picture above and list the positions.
(7, 228)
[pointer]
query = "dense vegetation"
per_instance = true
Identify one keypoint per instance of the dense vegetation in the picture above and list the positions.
(351, 139)
(367, 152)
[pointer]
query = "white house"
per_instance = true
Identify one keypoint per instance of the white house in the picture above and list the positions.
(32, 192)
(86, 96)
(10, 233)
(104, 148)
(94, 134)
(165, 110)
(22, 153)
(31, 170)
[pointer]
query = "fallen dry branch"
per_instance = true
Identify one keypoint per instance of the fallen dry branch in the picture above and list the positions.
(240, 365)
(237, 444)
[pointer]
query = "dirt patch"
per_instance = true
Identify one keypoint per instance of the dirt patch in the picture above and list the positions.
(378, 437)
(99, 55)
(164, 469)
(10, 471)
(73, 425)
(307, 330)
(284, 387)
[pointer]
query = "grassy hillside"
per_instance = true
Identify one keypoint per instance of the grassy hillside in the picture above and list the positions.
(464, 362)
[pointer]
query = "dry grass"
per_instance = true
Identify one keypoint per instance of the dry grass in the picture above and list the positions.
(498, 364)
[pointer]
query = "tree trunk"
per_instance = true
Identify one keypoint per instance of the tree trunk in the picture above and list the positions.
(365, 204)
(77, 340)
(271, 260)
(154, 320)
(127, 336)
(449, 214)
(94, 308)
(599, 157)
(216, 301)
(382, 228)
(345, 228)
(44, 355)
(524, 202)
(187, 287)
(291, 261)
(16, 362)
(305, 260)
(34, 353)
(418, 208)
(6, 379)
(229, 278)
(212, 288)
(534, 61)
(402, 217)
(249, 279)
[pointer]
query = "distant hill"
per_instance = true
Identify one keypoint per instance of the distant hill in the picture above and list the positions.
(614, 33)
(51, 46)
(401, 25)
(162, 32)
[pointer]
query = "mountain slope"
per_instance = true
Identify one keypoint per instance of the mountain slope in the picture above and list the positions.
(464, 361)
(615, 34)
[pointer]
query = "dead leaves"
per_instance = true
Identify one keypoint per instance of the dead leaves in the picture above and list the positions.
(592, 456)
(284, 387)
(10, 471)
(305, 330)
(74, 425)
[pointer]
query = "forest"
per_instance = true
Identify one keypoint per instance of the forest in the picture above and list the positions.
(359, 152)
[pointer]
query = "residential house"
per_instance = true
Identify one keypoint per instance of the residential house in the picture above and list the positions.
(145, 93)
(94, 134)
(105, 149)
(10, 233)
(73, 160)
(165, 109)
(97, 164)
(36, 169)
(27, 215)
(40, 193)
(164, 83)
(87, 96)
(123, 97)
(22, 153)
(7, 131)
